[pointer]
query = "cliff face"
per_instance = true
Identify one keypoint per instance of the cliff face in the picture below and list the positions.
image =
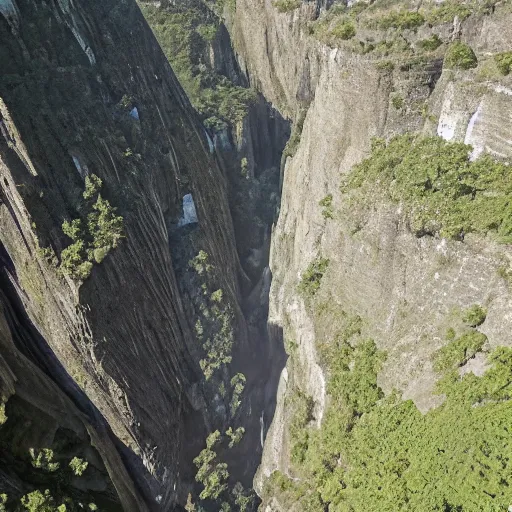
(86, 91)
(134, 243)
(407, 288)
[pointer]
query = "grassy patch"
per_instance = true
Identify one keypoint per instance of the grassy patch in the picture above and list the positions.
(343, 29)
(397, 101)
(446, 12)
(474, 315)
(402, 19)
(327, 209)
(431, 43)
(301, 407)
(442, 190)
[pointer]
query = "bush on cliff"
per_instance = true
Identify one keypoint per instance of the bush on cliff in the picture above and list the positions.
(94, 236)
(443, 191)
(460, 55)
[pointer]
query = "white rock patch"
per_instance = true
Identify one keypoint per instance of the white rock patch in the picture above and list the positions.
(472, 138)
(189, 211)
(82, 169)
(8, 8)
(210, 142)
(449, 118)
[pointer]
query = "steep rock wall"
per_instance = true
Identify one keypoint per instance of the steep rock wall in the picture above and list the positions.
(73, 73)
(405, 288)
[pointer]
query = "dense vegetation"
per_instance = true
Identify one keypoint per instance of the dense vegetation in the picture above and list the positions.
(443, 191)
(380, 454)
(94, 234)
(213, 475)
(184, 34)
(386, 28)
(214, 327)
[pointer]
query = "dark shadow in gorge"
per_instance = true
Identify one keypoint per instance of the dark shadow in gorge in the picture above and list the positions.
(252, 171)
(254, 194)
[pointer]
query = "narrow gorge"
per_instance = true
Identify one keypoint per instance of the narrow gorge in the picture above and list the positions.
(255, 255)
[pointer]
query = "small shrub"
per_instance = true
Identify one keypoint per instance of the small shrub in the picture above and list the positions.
(312, 277)
(126, 102)
(94, 237)
(505, 272)
(200, 263)
(3, 417)
(343, 30)
(286, 5)
(42, 459)
(244, 167)
(105, 227)
(397, 101)
(294, 140)
(207, 32)
(461, 56)
(36, 501)
(450, 334)
(48, 255)
(93, 186)
(474, 315)
(78, 466)
(401, 20)
(237, 385)
(216, 296)
(459, 351)
(327, 209)
(385, 65)
(430, 44)
(212, 474)
(235, 436)
(215, 124)
(504, 62)
(243, 499)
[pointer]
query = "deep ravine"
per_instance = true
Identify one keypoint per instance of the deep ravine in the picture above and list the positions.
(134, 266)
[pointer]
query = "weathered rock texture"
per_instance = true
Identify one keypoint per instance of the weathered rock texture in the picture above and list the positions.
(405, 288)
(125, 333)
